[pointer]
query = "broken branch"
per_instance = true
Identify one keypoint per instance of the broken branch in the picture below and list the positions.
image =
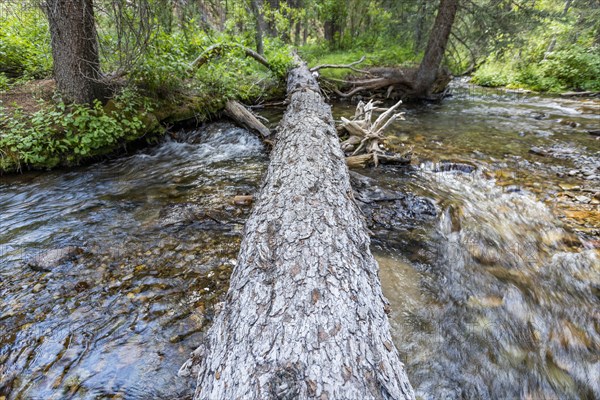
(347, 66)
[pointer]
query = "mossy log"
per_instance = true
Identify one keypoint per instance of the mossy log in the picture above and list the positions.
(304, 317)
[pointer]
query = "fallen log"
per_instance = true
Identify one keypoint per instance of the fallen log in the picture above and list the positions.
(245, 118)
(304, 316)
(374, 159)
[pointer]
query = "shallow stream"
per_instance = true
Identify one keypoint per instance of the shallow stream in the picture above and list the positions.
(488, 248)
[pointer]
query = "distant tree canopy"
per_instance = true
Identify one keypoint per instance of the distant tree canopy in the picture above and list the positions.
(545, 44)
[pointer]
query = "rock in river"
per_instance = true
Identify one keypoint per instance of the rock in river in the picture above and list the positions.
(50, 259)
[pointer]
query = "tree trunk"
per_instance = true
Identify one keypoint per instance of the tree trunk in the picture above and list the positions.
(436, 46)
(75, 49)
(257, 10)
(304, 316)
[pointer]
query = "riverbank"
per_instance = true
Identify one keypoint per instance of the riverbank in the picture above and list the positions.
(41, 133)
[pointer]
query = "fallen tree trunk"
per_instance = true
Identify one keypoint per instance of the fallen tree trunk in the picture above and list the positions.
(304, 316)
(237, 112)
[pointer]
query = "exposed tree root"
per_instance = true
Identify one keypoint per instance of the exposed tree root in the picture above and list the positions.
(365, 141)
(389, 83)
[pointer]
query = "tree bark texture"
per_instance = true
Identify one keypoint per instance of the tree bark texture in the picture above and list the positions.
(75, 49)
(304, 316)
(436, 47)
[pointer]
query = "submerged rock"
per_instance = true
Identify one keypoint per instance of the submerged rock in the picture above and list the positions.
(48, 260)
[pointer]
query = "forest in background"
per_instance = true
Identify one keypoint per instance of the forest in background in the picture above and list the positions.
(146, 47)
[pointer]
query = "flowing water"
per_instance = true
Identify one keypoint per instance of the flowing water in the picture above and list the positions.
(488, 255)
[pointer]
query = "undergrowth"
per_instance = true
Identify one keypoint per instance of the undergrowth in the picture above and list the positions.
(60, 134)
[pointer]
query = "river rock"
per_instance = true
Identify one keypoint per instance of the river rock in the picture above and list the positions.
(538, 115)
(538, 151)
(568, 186)
(567, 122)
(37, 288)
(582, 199)
(51, 259)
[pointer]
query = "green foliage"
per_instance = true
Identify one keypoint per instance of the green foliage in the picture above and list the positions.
(492, 74)
(4, 82)
(24, 42)
(66, 135)
(391, 55)
(575, 67)
(233, 75)
(556, 49)
(279, 56)
(165, 63)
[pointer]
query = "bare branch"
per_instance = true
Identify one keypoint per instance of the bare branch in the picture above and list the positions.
(217, 49)
(347, 66)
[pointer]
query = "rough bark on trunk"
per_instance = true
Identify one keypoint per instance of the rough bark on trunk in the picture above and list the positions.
(75, 49)
(305, 315)
(436, 46)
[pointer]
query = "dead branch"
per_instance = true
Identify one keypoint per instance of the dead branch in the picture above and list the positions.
(374, 84)
(347, 66)
(365, 141)
(217, 49)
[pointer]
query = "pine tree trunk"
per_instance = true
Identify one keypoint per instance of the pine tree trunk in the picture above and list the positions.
(436, 46)
(304, 317)
(75, 49)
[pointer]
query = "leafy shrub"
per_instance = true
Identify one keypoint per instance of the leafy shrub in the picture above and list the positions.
(4, 82)
(165, 63)
(491, 74)
(24, 43)
(62, 134)
(574, 67)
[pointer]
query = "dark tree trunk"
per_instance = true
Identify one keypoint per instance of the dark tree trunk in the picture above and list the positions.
(75, 49)
(436, 46)
(257, 10)
(304, 317)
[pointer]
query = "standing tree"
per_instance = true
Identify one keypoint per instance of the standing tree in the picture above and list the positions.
(436, 46)
(75, 49)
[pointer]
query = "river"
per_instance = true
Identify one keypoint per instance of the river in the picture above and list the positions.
(488, 254)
